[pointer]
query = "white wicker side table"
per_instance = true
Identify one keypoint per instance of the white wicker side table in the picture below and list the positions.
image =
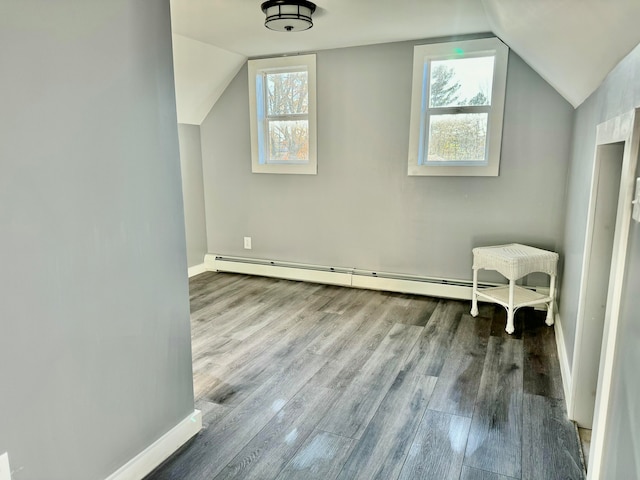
(514, 261)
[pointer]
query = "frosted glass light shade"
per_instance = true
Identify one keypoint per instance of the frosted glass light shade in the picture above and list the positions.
(288, 15)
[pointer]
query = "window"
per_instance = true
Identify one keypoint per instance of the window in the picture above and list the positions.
(457, 105)
(282, 99)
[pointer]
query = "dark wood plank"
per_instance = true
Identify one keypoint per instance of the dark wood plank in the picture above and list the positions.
(550, 441)
(212, 413)
(430, 351)
(344, 299)
(339, 373)
(258, 343)
(495, 438)
(363, 396)
(469, 473)
(487, 309)
(348, 354)
(212, 449)
(229, 378)
(499, 323)
(459, 379)
(206, 377)
(320, 458)
(336, 341)
(241, 381)
(224, 293)
(203, 280)
(291, 317)
(246, 303)
(287, 297)
(541, 366)
(212, 349)
(403, 299)
(207, 282)
(270, 450)
(413, 310)
(390, 432)
(438, 449)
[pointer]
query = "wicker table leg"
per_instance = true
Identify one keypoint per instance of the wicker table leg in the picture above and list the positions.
(510, 310)
(552, 295)
(474, 297)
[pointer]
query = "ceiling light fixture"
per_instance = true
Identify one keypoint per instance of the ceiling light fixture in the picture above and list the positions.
(288, 15)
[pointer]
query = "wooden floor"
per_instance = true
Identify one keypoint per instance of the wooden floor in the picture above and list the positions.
(305, 381)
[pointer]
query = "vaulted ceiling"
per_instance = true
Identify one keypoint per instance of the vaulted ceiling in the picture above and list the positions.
(572, 44)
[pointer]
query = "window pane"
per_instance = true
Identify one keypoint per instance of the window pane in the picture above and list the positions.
(460, 137)
(461, 81)
(289, 141)
(287, 93)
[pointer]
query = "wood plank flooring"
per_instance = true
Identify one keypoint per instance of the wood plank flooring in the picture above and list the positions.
(305, 381)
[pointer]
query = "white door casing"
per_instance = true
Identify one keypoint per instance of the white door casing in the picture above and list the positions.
(624, 128)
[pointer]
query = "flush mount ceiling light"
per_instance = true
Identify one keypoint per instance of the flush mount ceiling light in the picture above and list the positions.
(288, 15)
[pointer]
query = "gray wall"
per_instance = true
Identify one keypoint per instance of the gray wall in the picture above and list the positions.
(192, 192)
(618, 94)
(362, 210)
(94, 315)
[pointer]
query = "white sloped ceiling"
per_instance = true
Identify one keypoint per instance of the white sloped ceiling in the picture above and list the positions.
(573, 44)
(202, 72)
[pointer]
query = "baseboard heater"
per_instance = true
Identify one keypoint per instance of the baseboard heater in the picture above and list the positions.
(344, 276)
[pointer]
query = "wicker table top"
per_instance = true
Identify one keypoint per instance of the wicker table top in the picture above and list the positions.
(514, 261)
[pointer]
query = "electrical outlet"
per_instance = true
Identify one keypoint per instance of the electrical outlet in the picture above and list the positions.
(5, 470)
(247, 243)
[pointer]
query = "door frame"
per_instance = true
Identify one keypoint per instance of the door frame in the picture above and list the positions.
(623, 128)
(607, 170)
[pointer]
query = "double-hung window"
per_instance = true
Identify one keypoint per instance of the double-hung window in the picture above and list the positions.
(282, 98)
(457, 107)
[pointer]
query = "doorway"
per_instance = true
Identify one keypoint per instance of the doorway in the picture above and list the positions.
(605, 189)
(603, 278)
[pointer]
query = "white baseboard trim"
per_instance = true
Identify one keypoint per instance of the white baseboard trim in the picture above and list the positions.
(210, 262)
(288, 273)
(343, 276)
(197, 270)
(442, 290)
(563, 359)
(156, 453)
(5, 469)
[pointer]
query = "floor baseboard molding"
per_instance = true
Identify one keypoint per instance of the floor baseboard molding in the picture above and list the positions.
(349, 277)
(563, 359)
(441, 290)
(197, 270)
(346, 277)
(156, 453)
(285, 272)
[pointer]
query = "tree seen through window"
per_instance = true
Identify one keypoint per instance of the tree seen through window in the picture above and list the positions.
(287, 98)
(457, 134)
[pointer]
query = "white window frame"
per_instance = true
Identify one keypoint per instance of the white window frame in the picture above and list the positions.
(420, 110)
(259, 122)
